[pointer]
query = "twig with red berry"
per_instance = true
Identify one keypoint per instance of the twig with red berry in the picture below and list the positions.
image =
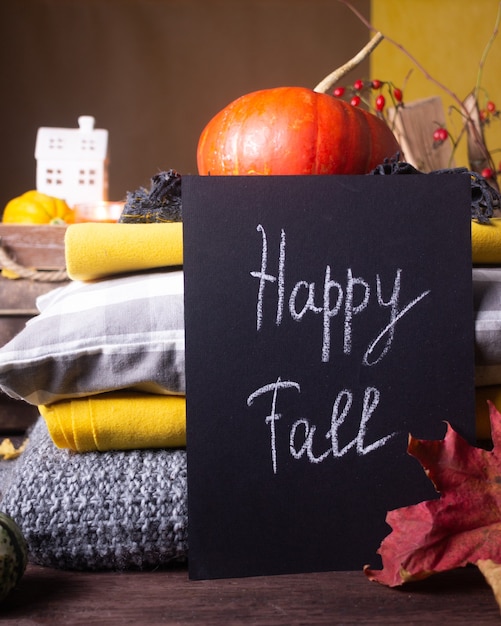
(372, 94)
(468, 124)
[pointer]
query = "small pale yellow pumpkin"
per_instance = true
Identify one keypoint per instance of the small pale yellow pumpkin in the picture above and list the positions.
(34, 207)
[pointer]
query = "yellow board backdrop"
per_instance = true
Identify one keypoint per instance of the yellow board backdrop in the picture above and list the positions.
(448, 38)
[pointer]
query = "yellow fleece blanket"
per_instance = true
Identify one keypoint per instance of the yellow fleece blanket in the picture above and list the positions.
(486, 242)
(126, 420)
(117, 420)
(96, 250)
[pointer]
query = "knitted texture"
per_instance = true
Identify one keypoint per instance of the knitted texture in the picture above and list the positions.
(98, 510)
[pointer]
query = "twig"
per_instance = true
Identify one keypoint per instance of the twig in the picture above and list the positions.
(486, 52)
(427, 75)
(325, 85)
(463, 109)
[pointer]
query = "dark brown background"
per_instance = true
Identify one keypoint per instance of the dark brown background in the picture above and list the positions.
(153, 72)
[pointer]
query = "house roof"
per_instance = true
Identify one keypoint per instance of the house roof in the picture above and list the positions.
(83, 143)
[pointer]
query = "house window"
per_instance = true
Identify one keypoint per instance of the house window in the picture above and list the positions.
(87, 177)
(56, 143)
(53, 176)
(87, 145)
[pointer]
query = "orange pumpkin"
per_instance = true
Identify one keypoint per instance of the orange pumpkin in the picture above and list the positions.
(293, 130)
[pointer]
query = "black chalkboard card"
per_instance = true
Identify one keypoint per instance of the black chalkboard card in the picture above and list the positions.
(327, 317)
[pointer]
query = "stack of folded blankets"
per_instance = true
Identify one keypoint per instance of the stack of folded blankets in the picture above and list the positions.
(486, 252)
(102, 482)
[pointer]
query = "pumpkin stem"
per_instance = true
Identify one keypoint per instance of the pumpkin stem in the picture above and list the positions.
(325, 85)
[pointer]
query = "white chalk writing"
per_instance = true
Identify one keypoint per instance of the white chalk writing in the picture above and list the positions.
(346, 299)
(302, 432)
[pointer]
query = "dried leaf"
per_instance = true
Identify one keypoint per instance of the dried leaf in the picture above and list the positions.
(492, 574)
(462, 526)
(8, 451)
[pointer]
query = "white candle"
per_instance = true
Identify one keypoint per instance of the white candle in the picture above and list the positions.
(99, 211)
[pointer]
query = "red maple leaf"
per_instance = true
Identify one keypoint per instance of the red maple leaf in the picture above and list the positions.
(462, 526)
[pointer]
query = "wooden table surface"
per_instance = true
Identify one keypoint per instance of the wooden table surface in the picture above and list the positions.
(47, 596)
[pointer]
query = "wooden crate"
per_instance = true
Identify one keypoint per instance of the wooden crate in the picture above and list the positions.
(40, 251)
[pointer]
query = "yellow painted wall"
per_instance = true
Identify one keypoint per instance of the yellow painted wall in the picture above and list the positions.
(447, 37)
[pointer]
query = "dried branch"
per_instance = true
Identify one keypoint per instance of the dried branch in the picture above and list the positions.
(486, 52)
(325, 85)
(427, 75)
(465, 113)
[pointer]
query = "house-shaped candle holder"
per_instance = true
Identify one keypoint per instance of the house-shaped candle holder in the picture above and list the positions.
(72, 163)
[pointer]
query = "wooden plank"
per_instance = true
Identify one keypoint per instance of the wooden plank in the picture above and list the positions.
(18, 312)
(21, 294)
(413, 126)
(41, 247)
(46, 595)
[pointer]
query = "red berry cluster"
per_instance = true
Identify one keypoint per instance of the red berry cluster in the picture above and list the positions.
(370, 93)
(487, 115)
(489, 112)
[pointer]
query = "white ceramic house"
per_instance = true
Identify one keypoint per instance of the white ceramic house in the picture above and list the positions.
(72, 163)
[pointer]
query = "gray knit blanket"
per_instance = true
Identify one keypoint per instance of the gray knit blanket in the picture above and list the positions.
(98, 510)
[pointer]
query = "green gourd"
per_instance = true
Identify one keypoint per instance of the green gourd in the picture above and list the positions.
(13, 555)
